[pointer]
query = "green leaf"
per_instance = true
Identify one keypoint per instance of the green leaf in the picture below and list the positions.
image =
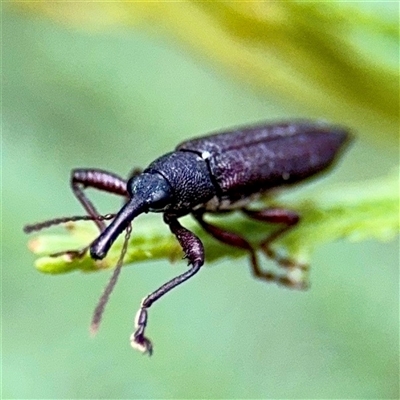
(355, 211)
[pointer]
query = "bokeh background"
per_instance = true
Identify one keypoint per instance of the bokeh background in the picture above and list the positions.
(113, 87)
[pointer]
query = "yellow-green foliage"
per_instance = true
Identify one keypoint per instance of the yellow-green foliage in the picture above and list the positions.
(312, 53)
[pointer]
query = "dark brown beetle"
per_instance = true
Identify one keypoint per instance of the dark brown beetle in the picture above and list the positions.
(216, 173)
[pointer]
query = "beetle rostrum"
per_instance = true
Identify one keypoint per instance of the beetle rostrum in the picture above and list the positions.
(212, 174)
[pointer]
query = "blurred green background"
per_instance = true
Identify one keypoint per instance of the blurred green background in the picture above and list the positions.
(117, 97)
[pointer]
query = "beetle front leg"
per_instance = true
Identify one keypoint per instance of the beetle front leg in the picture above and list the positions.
(296, 273)
(194, 252)
(97, 179)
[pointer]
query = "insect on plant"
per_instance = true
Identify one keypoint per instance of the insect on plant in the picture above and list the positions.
(212, 174)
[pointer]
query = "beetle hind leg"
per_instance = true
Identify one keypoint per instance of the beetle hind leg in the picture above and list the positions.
(296, 274)
(233, 239)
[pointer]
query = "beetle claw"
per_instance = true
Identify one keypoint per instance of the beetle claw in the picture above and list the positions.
(138, 340)
(141, 343)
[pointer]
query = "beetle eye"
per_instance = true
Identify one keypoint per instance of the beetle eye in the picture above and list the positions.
(159, 200)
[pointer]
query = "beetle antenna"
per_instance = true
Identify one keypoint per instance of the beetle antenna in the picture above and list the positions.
(99, 310)
(62, 220)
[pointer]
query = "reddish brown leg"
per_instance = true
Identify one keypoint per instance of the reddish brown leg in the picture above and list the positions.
(296, 273)
(274, 216)
(232, 239)
(97, 179)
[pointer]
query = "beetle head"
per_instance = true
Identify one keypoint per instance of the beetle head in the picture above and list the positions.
(148, 192)
(153, 189)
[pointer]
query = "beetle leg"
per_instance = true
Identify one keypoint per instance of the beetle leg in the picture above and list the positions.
(194, 252)
(233, 239)
(97, 179)
(296, 273)
(274, 216)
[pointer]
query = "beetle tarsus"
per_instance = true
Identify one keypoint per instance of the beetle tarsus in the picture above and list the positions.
(141, 343)
(71, 254)
(295, 278)
(138, 340)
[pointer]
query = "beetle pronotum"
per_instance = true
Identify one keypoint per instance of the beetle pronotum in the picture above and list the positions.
(211, 174)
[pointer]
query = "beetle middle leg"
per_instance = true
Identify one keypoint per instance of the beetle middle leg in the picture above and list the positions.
(194, 252)
(233, 239)
(296, 274)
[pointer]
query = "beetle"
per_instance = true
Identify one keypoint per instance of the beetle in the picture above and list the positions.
(217, 173)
